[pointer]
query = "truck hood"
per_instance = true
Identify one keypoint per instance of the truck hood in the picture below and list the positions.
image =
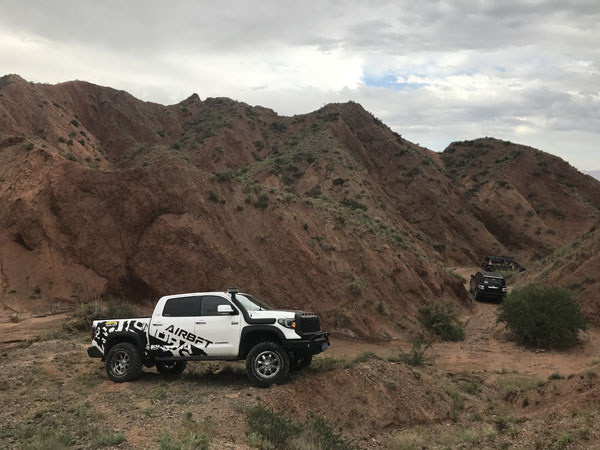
(274, 314)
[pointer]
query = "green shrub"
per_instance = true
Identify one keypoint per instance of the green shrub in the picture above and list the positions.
(109, 438)
(542, 316)
(362, 357)
(224, 175)
(213, 197)
(83, 316)
(441, 320)
(190, 441)
(353, 204)
(270, 431)
(357, 285)
(416, 357)
(271, 427)
(278, 127)
(262, 201)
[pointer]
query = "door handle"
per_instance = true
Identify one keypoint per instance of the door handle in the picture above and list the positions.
(157, 324)
(200, 322)
(234, 322)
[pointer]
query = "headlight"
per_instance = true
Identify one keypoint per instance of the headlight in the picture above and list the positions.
(503, 289)
(481, 286)
(288, 323)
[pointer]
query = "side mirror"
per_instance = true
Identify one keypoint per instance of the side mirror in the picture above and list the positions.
(225, 309)
(472, 275)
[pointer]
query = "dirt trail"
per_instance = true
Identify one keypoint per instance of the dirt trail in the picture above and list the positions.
(487, 347)
(30, 327)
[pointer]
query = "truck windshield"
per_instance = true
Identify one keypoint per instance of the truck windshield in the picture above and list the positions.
(252, 303)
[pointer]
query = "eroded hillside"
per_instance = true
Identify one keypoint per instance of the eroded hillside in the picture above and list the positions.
(532, 201)
(329, 211)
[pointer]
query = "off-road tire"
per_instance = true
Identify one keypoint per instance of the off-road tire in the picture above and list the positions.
(171, 368)
(124, 362)
(300, 363)
(267, 363)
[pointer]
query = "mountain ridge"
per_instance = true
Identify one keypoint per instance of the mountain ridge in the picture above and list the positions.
(330, 211)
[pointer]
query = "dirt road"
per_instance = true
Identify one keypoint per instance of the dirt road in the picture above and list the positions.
(487, 347)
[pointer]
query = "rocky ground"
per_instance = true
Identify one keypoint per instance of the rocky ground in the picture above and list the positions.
(484, 392)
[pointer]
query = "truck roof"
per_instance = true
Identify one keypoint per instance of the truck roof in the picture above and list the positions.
(189, 294)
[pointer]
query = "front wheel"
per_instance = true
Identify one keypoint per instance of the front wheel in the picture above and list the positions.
(171, 368)
(267, 363)
(124, 362)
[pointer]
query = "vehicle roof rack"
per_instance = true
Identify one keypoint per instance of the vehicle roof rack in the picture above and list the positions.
(233, 290)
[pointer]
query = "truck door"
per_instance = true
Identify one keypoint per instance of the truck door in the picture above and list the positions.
(171, 333)
(220, 331)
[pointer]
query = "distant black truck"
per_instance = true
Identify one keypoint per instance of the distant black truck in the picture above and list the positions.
(493, 263)
(488, 286)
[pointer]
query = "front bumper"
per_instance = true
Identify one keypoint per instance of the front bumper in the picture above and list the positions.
(94, 352)
(316, 343)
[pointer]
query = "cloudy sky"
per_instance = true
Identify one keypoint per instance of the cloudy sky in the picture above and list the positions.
(435, 71)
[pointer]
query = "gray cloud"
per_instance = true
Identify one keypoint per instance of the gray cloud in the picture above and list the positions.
(528, 70)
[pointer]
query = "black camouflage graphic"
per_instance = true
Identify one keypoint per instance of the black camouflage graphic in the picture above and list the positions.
(172, 342)
(176, 342)
(107, 327)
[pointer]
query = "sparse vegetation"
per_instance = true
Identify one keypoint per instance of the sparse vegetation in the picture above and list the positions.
(420, 344)
(109, 438)
(363, 357)
(271, 431)
(383, 309)
(224, 175)
(442, 321)
(353, 204)
(83, 316)
(542, 316)
(189, 441)
(262, 201)
(513, 383)
(278, 127)
(213, 197)
(357, 285)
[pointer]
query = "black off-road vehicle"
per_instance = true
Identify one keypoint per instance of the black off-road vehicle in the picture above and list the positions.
(487, 286)
(492, 263)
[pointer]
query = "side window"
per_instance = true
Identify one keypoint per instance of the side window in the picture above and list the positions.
(210, 304)
(182, 307)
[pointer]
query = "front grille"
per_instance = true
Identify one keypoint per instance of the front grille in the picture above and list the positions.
(308, 323)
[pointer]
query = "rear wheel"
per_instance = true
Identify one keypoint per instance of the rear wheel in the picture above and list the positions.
(267, 363)
(171, 367)
(124, 362)
(300, 362)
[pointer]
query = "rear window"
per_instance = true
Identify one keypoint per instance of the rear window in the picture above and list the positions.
(495, 282)
(182, 307)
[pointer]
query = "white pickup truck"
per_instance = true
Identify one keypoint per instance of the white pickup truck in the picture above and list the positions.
(210, 326)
